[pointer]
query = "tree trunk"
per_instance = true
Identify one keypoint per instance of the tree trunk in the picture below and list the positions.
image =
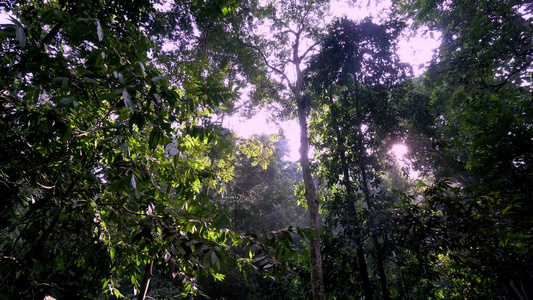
(311, 196)
(366, 192)
(363, 270)
(146, 281)
(379, 249)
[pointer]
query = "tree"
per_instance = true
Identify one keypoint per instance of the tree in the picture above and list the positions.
(103, 165)
(262, 198)
(473, 126)
(294, 27)
(262, 205)
(354, 82)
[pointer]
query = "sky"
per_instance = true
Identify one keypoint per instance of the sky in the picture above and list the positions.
(416, 49)
(4, 18)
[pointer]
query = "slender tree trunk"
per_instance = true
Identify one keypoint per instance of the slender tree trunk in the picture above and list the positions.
(311, 196)
(366, 192)
(146, 281)
(381, 268)
(363, 270)
(377, 244)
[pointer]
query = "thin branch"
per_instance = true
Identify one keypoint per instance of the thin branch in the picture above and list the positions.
(264, 58)
(64, 289)
(301, 24)
(450, 169)
(284, 24)
(146, 281)
(311, 48)
(46, 187)
(289, 30)
(132, 212)
(501, 84)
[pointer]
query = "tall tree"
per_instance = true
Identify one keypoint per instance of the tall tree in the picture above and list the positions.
(294, 28)
(355, 80)
(261, 197)
(261, 203)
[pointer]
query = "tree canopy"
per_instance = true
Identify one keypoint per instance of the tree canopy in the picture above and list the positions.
(119, 179)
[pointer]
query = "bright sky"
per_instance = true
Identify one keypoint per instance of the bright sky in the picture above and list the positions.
(4, 18)
(416, 50)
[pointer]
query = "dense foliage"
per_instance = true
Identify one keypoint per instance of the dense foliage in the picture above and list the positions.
(356, 80)
(104, 167)
(118, 178)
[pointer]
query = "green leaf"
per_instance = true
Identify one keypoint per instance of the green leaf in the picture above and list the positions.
(215, 260)
(113, 94)
(68, 133)
(279, 251)
(7, 30)
(121, 183)
(55, 293)
(37, 266)
(133, 182)
(221, 221)
(207, 261)
(127, 101)
(99, 30)
(112, 254)
(155, 136)
(158, 78)
(67, 100)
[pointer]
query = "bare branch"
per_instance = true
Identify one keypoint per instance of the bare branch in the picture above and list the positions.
(46, 187)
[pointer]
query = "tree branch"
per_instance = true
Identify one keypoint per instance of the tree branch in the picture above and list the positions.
(312, 47)
(450, 169)
(50, 36)
(146, 281)
(264, 58)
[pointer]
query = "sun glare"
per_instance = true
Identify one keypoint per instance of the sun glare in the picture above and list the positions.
(399, 150)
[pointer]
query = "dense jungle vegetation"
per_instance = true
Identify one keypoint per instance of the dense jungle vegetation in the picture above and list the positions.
(119, 179)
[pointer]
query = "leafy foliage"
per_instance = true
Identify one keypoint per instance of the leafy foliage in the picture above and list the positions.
(103, 160)
(355, 81)
(113, 168)
(474, 128)
(262, 198)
